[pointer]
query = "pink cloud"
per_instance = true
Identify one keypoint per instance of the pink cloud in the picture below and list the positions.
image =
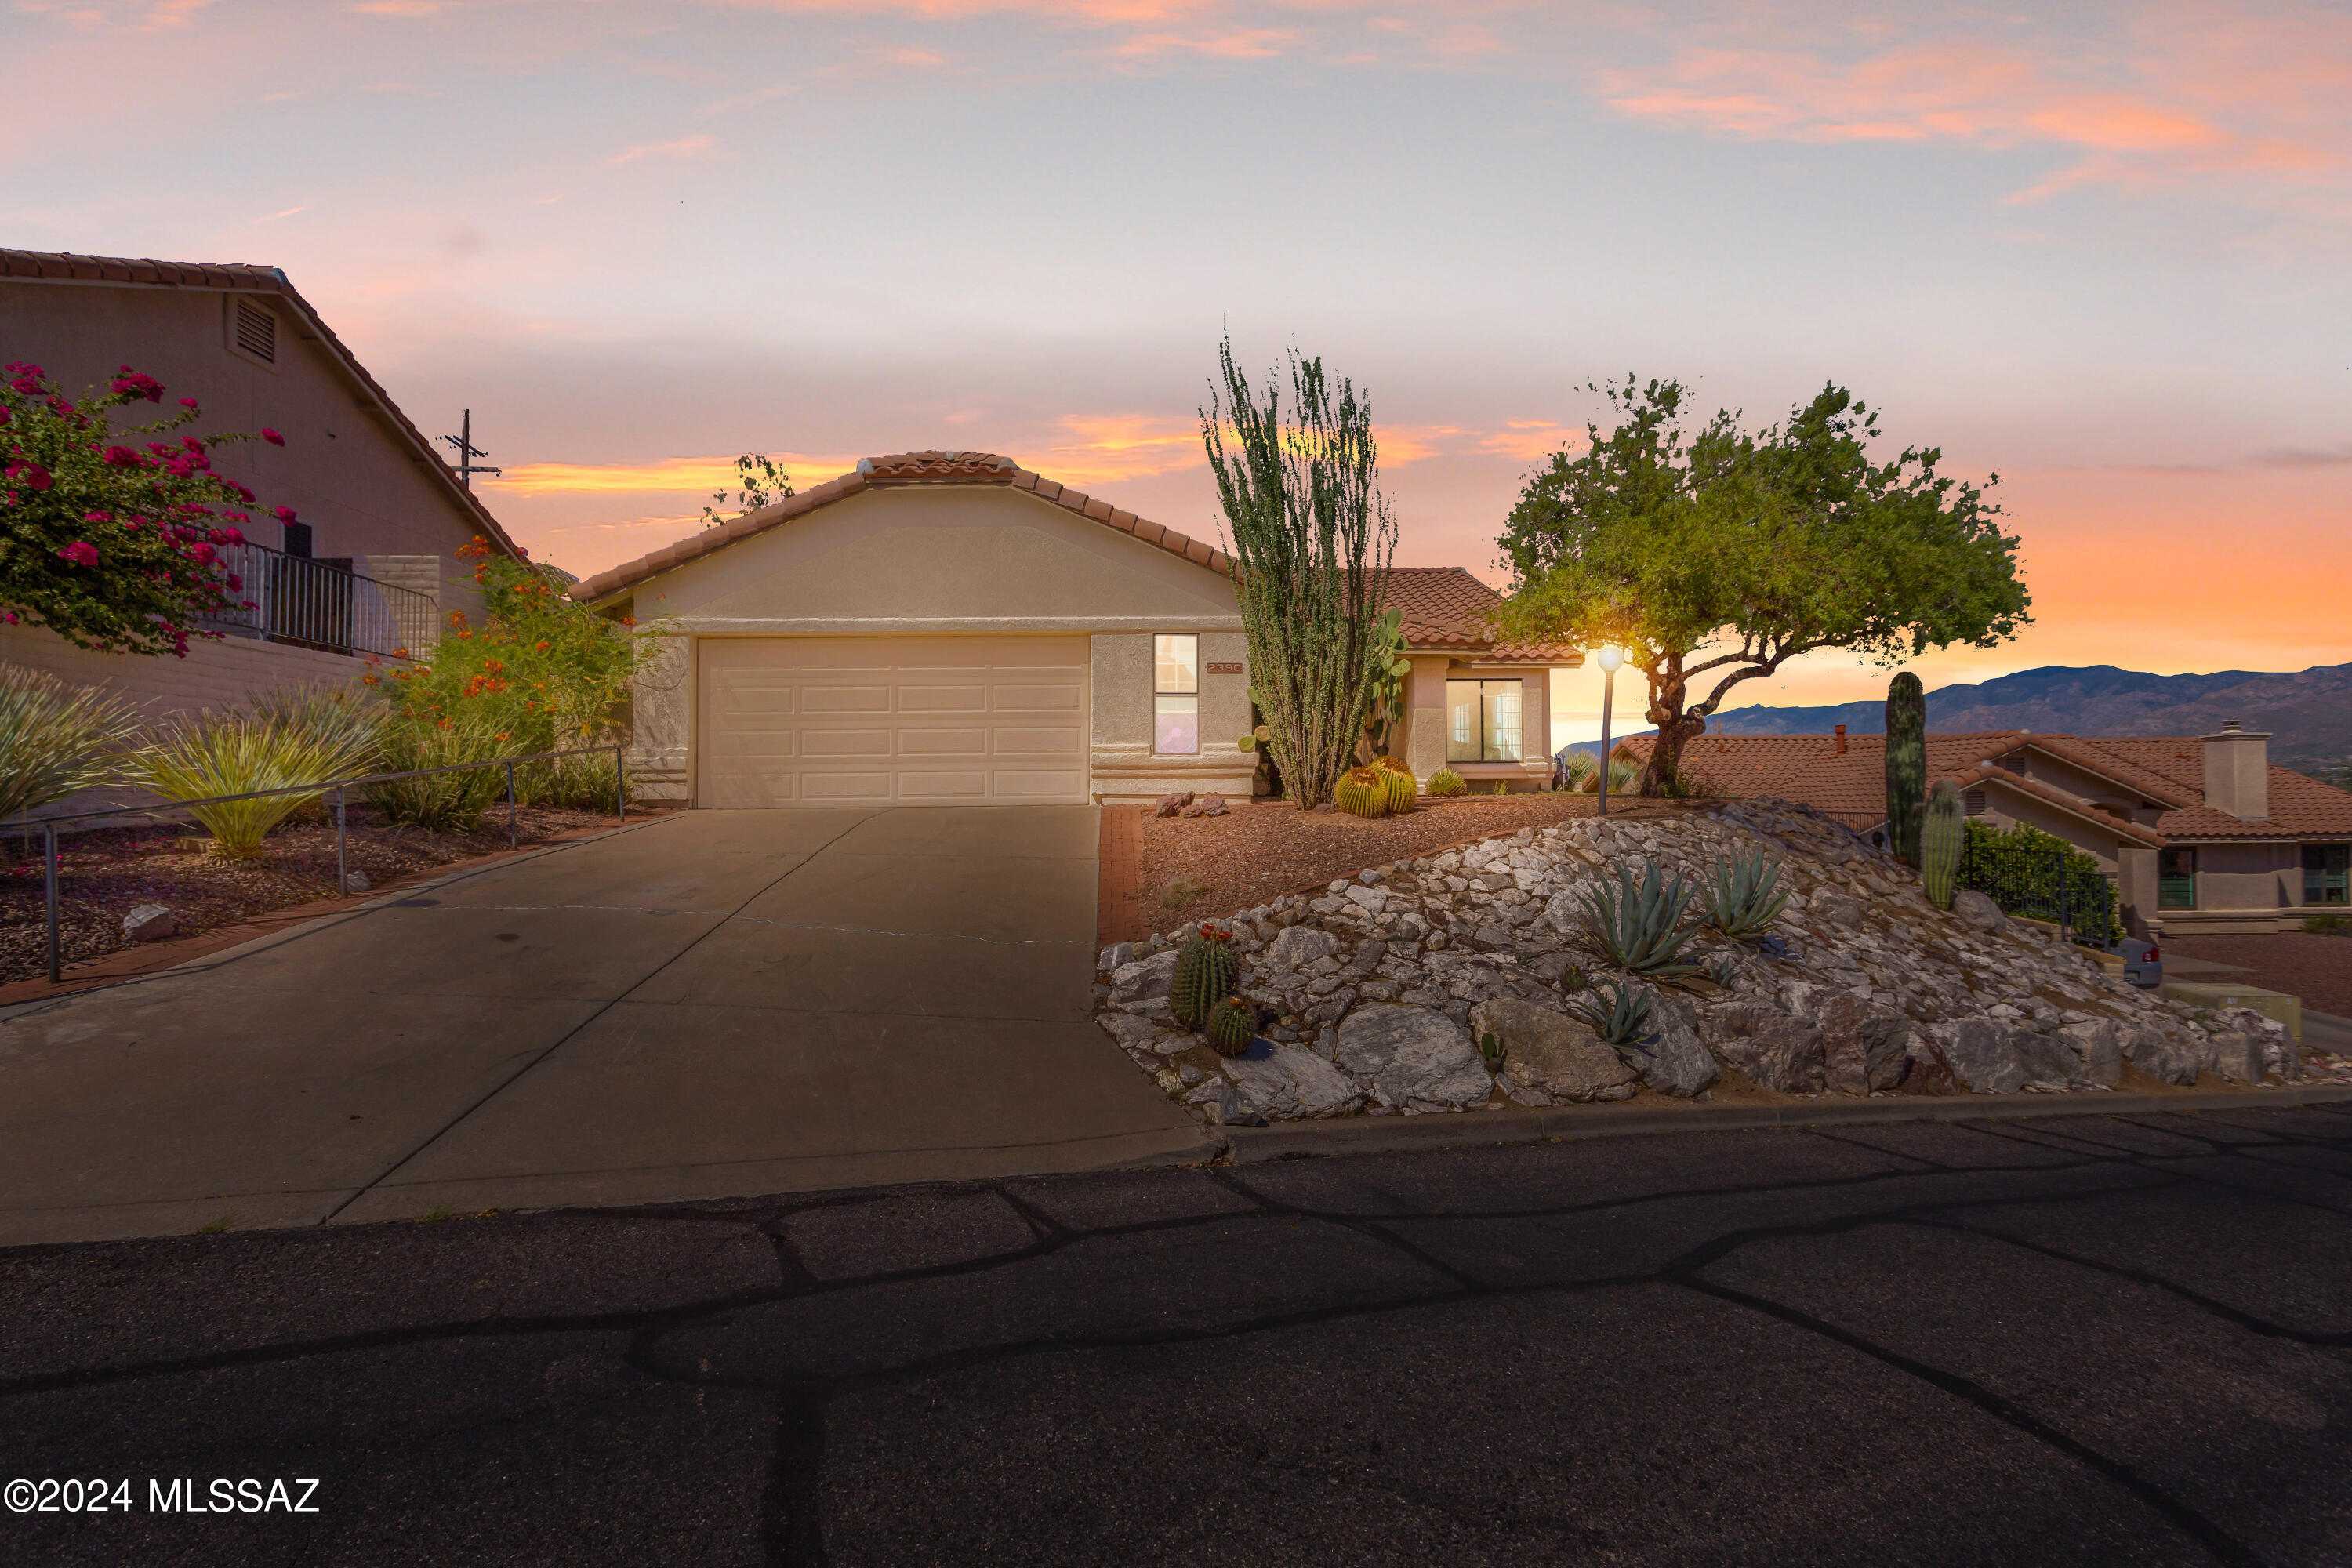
(684, 147)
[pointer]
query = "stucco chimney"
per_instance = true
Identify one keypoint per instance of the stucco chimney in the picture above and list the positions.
(1840, 740)
(2238, 772)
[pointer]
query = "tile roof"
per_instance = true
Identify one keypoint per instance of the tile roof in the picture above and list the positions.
(248, 278)
(896, 470)
(2170, 772)
(1447, 607)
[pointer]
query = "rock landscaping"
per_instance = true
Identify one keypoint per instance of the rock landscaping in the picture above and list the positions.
(1483, 978)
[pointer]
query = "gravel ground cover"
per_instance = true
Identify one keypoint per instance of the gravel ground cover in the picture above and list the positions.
(2315, 967)
(1226, 864)
(104, 875)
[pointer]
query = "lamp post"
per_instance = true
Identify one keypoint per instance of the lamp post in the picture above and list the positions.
(1611, 657)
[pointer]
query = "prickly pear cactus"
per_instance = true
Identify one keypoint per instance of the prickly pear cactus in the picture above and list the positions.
(1231, 1026)
(1907, 764)
(1361, 792)
(1206, 974)
(1397, 780)
(1940, 836)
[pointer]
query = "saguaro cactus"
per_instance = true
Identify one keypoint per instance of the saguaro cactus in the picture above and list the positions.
(1907, 764)
(1206, 973)
(1940, 844)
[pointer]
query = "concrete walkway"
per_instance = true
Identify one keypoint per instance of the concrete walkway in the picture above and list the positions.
(714, 1004)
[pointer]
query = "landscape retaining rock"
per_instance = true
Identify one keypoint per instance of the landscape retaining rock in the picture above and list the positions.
(1865, 988)
(1547, 1050)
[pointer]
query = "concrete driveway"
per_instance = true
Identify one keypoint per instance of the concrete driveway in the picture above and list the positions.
(713, 1004)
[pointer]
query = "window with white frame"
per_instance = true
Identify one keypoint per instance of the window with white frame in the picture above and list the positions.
(1176, 694)
(1483, 720)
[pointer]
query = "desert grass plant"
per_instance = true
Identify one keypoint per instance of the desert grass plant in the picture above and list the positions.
(1617, 1011)
(54, 740)
(440, 802)
(1311, 541)
(1576, 770)
(1639, 925)
(1745, 897)
(1446, 782)
(275, 743)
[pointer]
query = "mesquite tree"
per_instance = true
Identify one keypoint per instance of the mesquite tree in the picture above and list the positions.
(1734, 554)
(1311, 539)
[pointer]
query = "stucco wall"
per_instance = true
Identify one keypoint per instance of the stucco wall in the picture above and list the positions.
(362, 486)
(900, 562)
(2248, 875)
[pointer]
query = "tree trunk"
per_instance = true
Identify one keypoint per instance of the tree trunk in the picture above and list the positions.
(1676, 730)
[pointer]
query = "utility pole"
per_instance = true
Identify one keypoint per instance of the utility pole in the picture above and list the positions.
(466, 452)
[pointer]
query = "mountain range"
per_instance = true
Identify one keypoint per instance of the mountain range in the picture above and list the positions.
(2307, 712)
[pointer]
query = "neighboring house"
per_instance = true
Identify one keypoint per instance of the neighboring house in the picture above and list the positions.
(949, 627)
(370, 569)
(2201, 835)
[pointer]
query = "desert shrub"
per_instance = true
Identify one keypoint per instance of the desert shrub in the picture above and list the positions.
(441, 802)
(54, 740)
(276, 742)
(1576, 770)
(586, 781)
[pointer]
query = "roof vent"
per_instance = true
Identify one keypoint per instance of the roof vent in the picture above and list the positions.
(257, 331)
(865, 465)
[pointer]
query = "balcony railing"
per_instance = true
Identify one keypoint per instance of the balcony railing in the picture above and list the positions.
(317, 605)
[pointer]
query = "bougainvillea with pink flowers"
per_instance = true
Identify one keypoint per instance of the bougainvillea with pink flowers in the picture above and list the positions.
(110, 536)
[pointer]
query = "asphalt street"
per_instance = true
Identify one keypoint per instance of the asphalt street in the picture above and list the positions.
(2094, 1340)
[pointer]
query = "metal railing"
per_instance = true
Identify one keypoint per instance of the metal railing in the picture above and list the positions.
(339, 788)
(315, 604)
(2043, 885)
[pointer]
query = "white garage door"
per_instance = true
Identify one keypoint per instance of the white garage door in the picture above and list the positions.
(867, 721)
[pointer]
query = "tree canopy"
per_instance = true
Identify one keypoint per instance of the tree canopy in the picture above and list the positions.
(1716, 558)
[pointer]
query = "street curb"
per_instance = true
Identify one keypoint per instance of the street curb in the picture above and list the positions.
(1255, 1145)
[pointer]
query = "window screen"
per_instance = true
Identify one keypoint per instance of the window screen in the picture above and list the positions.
(1176, 693)
(1484, 721)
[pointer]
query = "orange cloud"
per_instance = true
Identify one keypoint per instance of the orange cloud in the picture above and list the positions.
(669, 475)
(684, 147)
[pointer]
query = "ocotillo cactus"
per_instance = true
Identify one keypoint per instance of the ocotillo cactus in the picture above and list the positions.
(1206, 973)
(1907, 764)
(1940, 844)
(1231, 1026)
(1361, 792)
(1397, 779)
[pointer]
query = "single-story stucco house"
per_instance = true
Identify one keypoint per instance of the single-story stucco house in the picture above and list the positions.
(948, 627)
(2201, 834)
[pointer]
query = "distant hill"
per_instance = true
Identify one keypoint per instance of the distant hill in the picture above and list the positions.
(2308, 714)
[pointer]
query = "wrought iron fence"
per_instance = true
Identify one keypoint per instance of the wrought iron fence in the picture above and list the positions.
(318, 604)
(2043, 885)
(336, 787)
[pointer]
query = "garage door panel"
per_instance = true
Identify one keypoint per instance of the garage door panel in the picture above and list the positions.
(784, 720)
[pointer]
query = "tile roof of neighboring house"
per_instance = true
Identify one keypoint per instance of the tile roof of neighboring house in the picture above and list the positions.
(246, 277)
(2169, 772)
(1445, 607)
(894, 470)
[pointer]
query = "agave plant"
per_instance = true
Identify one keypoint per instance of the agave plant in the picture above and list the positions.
(1621, 1017)
(54, 741)
(1746, 898)
(1722, 970)
(1638, 926)
(273, 744)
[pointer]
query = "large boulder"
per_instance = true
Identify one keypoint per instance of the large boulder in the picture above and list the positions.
(2097, 1044)
(1292, 1085)
(1143, 979)
(1672, 1061)
(2050, 1064)
(1979, 910)
(1981, 1056)
(1298, 947)
(1413, 1058)
(1777, 1051)
(2236, 1054)
(1862, 1045)
(1551, 1051)
(2159, 1055)
(2273, 1053)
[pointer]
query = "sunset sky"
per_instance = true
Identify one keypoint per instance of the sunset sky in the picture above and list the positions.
(2104, 257)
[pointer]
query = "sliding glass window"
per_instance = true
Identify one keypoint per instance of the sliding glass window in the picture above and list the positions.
(1483, 720)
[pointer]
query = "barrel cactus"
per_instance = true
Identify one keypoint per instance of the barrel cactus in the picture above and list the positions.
(1398, 781)
(1940, 844)
(1231, 1026)
(1907, 764)
(1362, 793)
(1206, 973)
(1445, 781)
